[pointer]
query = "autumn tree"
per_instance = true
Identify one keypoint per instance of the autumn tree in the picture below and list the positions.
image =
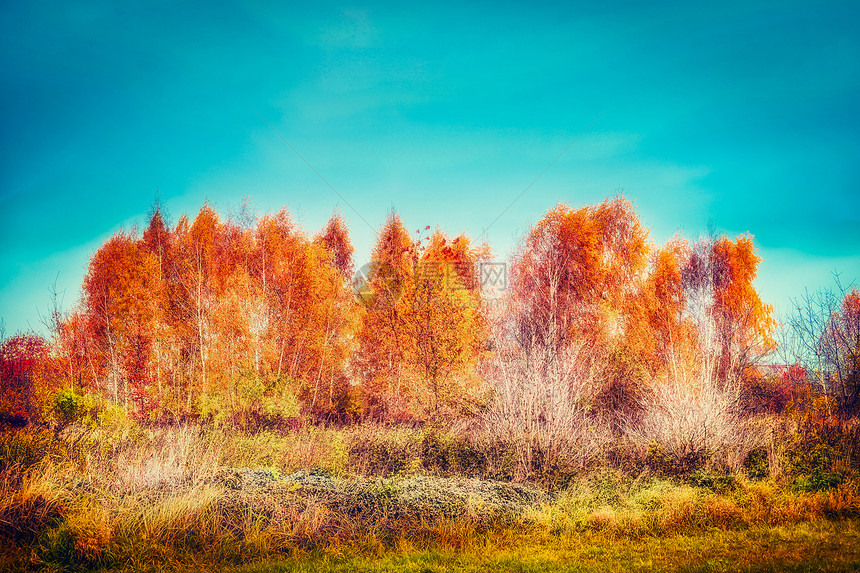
(23, 369)
(572, 281)
(312, 316)
(75, 352)
(335, 237)
(122, 290)
(197, 268)
(445, 330)
(734, 327)
(158, 241)
(380, 358)
(423, 331)
(707, 327)
(658, 316)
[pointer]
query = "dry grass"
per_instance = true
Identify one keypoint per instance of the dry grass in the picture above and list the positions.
(171, 495)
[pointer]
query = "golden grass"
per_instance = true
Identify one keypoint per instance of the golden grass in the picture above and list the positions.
(163, 495)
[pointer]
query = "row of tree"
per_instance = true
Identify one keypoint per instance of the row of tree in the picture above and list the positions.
(254, 320)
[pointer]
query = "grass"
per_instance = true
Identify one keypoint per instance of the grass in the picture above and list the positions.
(811, 546)
(374, 498)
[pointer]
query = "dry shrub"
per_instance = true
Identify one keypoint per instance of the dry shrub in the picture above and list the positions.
(187, 518)
(174, 456)
(679, 509)
(843, 501)
(692, 420)
(604, 517)
(542, 406)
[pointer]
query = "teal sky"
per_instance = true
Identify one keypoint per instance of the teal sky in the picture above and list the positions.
(745, 114)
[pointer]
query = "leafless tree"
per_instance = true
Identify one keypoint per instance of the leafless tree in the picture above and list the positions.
(822, 334)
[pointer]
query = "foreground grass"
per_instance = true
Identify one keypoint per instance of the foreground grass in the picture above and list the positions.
(810, 546)
(395, 499)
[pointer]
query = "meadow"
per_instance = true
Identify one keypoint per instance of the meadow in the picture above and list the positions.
(112, 494)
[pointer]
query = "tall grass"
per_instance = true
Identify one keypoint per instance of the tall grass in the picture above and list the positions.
(181, 496)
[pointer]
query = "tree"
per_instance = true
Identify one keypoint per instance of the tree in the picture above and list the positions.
(380, 358)
(445, 331)
(197, 269)
(745, 324)
(122, 289)
(23, 358)
(573, 280)
(335, 237)
(660, 306)
(822, 334)
(575, 272)
(312, 315)
(422, 331)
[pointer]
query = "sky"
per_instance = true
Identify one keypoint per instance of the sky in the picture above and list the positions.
(476, 117)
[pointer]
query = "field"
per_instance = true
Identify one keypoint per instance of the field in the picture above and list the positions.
(124, 497)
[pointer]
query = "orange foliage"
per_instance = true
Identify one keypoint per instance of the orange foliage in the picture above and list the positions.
(658, 327)
(335, 238)
(739, 310)
(173, 321)
(122, 289)
(422, 331)
(23, 373)
(576, 272)
(211, 316)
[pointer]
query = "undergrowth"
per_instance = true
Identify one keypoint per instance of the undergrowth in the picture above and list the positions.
(119, 495)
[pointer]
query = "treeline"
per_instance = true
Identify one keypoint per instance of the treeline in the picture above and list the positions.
(257, 323)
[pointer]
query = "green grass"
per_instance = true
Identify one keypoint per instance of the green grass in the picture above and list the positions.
(810, 546)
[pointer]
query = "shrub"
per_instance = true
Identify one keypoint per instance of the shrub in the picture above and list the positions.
(690, 424)
(385, 453)
(253, 403)
(447, 454)
(822, 454)
(26, 447)
(717, 483)
(756, 463)
(543, 408)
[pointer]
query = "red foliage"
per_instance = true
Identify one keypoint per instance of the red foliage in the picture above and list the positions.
(20, 357)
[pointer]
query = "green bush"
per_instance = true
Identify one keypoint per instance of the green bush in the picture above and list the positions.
(28, 446)
(756, 464)
(385, 454)
(445, 455)
(821, 455)
(717, 483)
(660, 462)
(254, 404)
(813, 469)
(69, 407)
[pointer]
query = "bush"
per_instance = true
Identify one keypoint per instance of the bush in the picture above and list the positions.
(68, 408)
(717, 483)
(756, 464)
(445, 454)
(254, 404)
(386, 453)
(26, 447)
(693, 424)
(822, 454)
